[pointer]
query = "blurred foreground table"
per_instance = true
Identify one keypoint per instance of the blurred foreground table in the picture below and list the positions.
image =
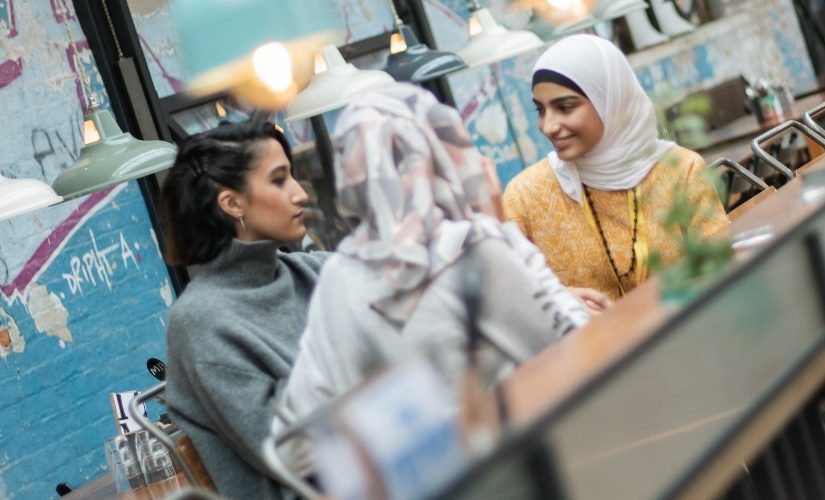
(661, 400)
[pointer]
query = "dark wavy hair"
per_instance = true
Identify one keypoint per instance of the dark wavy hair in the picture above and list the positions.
(195, 228)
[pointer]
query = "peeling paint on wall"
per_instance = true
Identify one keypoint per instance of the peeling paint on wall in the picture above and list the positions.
(166, 293)
(10, 341)
(49, 314)
(492, 124)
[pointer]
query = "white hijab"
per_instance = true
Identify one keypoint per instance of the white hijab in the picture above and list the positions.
(630, 146)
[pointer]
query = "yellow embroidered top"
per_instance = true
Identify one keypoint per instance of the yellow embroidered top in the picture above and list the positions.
(566, 233)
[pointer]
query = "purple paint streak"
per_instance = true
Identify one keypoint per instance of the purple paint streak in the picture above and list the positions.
(9, 71)
(47, 248)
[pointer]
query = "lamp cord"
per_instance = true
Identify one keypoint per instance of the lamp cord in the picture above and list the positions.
(111, 28)
(84, 77)
(395, 18)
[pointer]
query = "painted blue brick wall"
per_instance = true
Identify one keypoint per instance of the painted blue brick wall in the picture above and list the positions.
(83, 289)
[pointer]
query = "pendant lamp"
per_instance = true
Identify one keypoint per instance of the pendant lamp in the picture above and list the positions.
(108, 156)
(259, 50)
(547, 31)
(560, 12)
(670, 22)
(612, 9)
(412, 61)
(18, 196)
(642, 32)
(490, 42)
(334, 85)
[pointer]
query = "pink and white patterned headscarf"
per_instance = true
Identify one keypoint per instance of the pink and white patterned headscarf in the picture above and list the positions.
(407, 170)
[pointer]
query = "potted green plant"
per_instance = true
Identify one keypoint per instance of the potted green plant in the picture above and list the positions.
(701, 257)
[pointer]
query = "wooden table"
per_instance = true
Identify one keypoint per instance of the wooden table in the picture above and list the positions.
(103, 488)
(733, 140)
(100, 488)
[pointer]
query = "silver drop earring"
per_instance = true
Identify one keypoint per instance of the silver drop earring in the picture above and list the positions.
(243, 224)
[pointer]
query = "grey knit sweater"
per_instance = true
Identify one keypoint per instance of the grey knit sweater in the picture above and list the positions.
(233, 337)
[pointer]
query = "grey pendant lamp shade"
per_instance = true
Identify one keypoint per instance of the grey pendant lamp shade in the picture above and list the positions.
(611, 9)
(411, 60)
(18, 196)
(108, 156)
(418, 63)
(111, 156)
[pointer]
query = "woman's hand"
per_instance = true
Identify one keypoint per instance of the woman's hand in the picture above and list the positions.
(494, 184)
(594, 300)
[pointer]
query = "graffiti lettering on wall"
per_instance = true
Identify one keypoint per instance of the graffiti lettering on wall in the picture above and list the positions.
(97, 266)
(7, 25)
(11, 68)
(54, 151)
(57, 11)
(53, 244)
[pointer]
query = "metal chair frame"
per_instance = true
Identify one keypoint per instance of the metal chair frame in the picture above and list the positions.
(283, 473)
(742, 171)
(809, 117)
(294, 427)
(157, 433)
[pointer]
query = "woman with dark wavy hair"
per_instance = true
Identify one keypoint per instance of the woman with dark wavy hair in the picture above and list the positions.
(227, 204)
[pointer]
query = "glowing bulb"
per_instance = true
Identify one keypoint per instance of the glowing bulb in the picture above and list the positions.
(273, 66)
(90, 133)
(320, 63)
(397, 43)
(475, 26)
(563, 11)
(220, 110)
(562, 4)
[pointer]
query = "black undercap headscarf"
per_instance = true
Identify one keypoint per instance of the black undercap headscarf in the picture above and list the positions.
(550, 76)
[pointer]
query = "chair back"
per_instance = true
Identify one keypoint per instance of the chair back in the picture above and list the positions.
(771, 136)
(182, 448)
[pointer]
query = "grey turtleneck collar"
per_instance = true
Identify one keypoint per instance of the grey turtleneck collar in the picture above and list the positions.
(244, 264)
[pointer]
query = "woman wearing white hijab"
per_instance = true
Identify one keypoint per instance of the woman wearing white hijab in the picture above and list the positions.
(593, 206)
(408, 173)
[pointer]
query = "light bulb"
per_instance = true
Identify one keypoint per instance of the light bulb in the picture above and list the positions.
(320, 63)
(273, 66)
(397, 43)
(474, 25)
(558, 12)
(220, 110)
(90, 132)
(562, 4)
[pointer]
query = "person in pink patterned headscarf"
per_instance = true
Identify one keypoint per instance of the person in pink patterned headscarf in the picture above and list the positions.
(409, 176)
